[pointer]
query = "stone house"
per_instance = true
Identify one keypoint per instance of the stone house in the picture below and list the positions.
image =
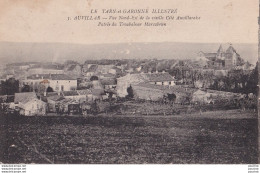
(164, 79)
(58, 82)
(29, 104)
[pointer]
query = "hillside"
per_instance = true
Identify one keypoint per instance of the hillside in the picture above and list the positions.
(14, 52)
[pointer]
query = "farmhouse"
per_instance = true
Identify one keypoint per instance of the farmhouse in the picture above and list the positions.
(58, 82)
(124, 82)
(29, 104)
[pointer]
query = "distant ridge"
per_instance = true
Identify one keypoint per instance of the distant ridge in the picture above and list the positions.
(60, 52)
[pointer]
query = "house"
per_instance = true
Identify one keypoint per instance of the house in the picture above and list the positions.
(77, 96)
(74, 70)
(109, 83)
(29, 104)
(91, 70)
(52, 99)
(58, 82)
(74, 95)
(222, 59)
(153, 92)
(86, 93)
(105, 69)
(124, 82)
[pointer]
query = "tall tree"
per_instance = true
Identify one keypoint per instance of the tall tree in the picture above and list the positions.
(9, 87)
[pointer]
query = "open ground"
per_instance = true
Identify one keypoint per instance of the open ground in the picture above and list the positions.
(211, 137)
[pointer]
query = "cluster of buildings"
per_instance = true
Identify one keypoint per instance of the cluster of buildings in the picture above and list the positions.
(52, 87)
(222, 59)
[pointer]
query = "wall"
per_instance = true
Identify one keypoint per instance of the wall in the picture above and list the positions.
(147, 93)
(67, 84)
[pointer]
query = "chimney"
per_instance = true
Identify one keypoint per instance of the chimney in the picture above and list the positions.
(156, 71)
(163, 71)
(45, 94)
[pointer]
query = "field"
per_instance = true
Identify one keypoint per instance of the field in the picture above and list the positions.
(216, 137)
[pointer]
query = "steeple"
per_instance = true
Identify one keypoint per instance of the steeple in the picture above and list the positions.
(230, 49)
(220, 49)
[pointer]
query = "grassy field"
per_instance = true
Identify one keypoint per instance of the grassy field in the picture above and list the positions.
(130, 139)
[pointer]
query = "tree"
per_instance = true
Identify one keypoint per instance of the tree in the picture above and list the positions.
(26, 88)
(253, 81)
(93, 78)
(130, 92)
(9, 87)
(171, 97)
(49, 89)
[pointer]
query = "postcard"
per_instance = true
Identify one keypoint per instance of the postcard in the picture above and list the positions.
(129, 82)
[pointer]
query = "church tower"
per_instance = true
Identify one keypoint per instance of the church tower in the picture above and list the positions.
(220, 53)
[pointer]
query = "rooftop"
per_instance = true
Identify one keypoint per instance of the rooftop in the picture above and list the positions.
(24, 97)
(70, 93)
(50, 77)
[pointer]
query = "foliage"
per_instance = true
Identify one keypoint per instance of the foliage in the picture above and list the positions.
(130, 92)
(49, 89)
(92, 78)
(26, 88)
(9, 87)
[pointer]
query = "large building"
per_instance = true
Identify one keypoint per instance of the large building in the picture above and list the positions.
(222, 59)
(124, 82)
(58, 82)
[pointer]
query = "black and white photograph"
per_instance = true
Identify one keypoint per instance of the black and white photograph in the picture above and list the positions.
(129, 82)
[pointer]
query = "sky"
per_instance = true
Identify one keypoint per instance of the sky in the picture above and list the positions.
(222, 21)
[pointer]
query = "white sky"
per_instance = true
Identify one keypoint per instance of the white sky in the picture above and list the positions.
(232, 21)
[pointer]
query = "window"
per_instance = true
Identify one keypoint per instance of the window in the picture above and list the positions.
(170, 83)
(162, 83)
(62, 88)
(155, 83)
(57, 81)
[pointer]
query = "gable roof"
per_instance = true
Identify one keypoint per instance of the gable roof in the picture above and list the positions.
(93, 68)
(50, 77)
(159, 77)
(149, 77)
(70, 93)
(72, 67)
(84, 92)
(108, 82)
(24, 97)
(210, 55)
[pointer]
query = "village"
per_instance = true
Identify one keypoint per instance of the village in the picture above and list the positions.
(220, 80)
